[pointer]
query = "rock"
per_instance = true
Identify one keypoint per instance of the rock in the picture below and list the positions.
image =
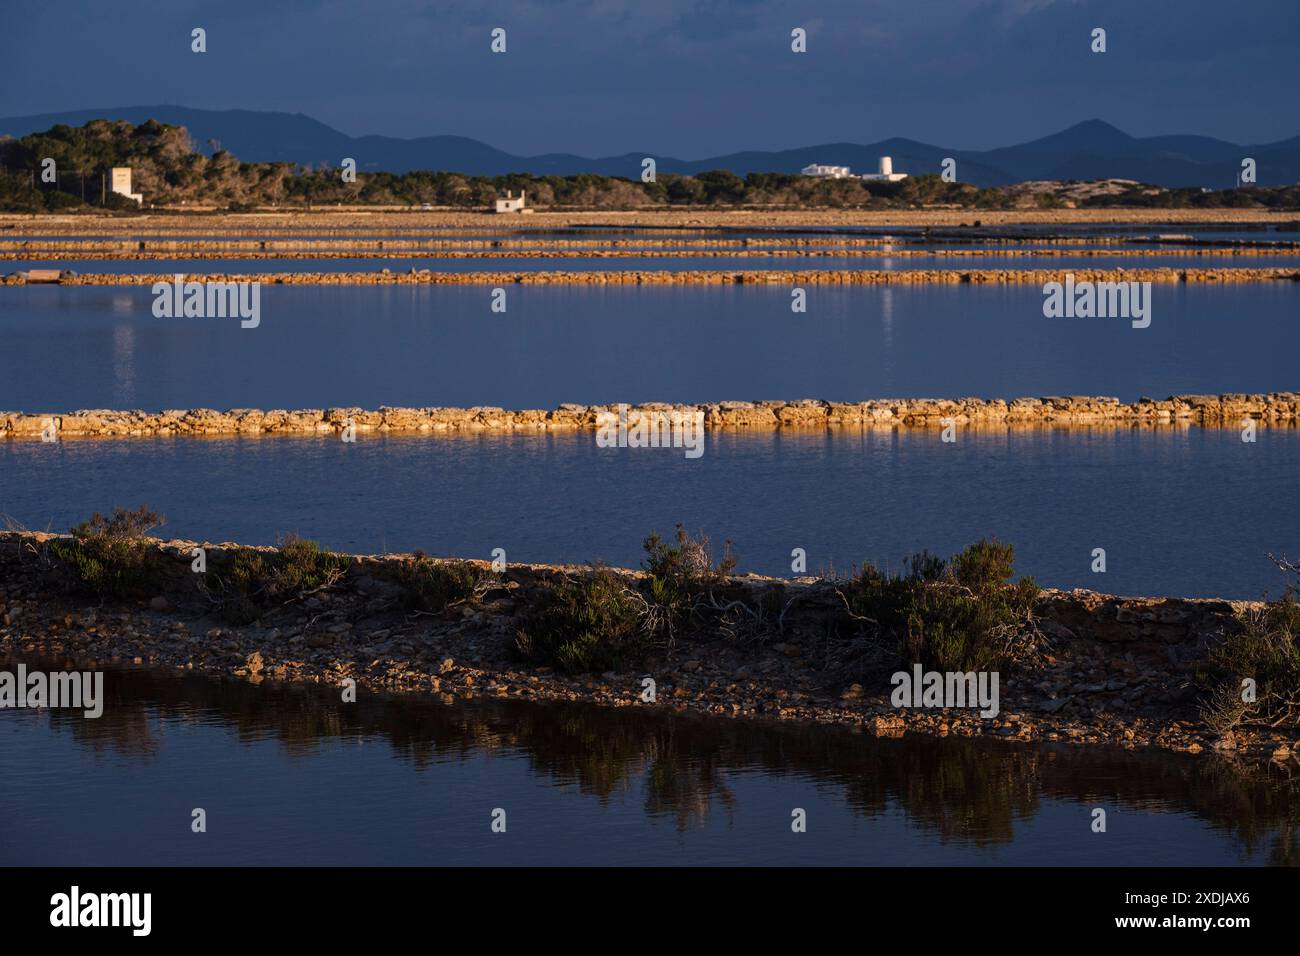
(889, 725)
(254, 662)
(159, 603)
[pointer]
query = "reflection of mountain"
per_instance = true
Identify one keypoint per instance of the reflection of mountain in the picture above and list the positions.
(959, 790)
(1088, 150)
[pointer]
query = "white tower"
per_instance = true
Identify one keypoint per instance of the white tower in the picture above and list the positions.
(886, 165)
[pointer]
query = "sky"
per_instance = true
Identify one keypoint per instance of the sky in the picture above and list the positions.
(690, 78)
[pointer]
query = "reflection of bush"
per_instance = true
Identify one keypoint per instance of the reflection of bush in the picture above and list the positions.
(960, 791)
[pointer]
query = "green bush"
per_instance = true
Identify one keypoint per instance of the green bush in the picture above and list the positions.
(583, 624)
(110, 556)
(432, 586)
(1266, 649)
(958, 615)
(678, 574)
(249, 583)
(17, 194)
(56, 201)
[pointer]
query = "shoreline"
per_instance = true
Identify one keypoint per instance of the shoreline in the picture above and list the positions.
(685, 217)
(381, 253)
(1274, 409)
(1119, 671)
(791, 279)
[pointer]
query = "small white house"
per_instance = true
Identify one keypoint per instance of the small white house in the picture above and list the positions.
(510, 204)
(886, 174)
(826, 172)
(120, 179)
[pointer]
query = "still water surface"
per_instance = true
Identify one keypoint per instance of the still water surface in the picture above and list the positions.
(290, 776)
(63, 348)
(1192, 513)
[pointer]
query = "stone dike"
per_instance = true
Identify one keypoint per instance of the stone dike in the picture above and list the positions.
(788, 279)
(687, 249)
(1119, 670)
(1276, 409)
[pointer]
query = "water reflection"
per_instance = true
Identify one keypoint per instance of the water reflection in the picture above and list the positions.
(691, 770)
(123, 363)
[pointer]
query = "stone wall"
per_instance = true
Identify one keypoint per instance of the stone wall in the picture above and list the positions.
(1277, 409)
(787, 279)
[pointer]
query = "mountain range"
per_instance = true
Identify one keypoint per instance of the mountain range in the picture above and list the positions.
(1089, 150)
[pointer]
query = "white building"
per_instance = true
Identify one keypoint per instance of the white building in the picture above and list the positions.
(510, 204)
(886, 174)
(121, 183)
(827, 172)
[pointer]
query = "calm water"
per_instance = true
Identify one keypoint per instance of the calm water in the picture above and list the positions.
(291, 777)
(1191, 514)
(63, 348)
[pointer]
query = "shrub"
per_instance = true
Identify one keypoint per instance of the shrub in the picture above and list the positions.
(602, 621)
(56, 201)
(958, 615)
(250, 583)
(110, 556)
(1265, 649)
(432, 586)
(678, 574)
(582, 624)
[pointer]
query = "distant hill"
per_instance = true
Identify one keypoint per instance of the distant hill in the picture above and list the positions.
(1088, 150)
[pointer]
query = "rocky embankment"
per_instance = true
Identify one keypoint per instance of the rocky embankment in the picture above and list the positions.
(789, 279)
(384, 249)
(1276, 409)
(1116, 670)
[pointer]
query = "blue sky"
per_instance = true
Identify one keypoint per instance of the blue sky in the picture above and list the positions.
(691, 79)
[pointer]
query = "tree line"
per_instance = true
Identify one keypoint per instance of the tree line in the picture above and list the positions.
(169, 170)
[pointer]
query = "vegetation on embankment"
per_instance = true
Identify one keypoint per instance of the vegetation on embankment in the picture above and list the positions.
(167, 169)
(380, 221)
(1074, 665)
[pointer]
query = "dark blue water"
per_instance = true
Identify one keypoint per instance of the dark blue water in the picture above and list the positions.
(63, 348)
(1193, 513)
(292, 777)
